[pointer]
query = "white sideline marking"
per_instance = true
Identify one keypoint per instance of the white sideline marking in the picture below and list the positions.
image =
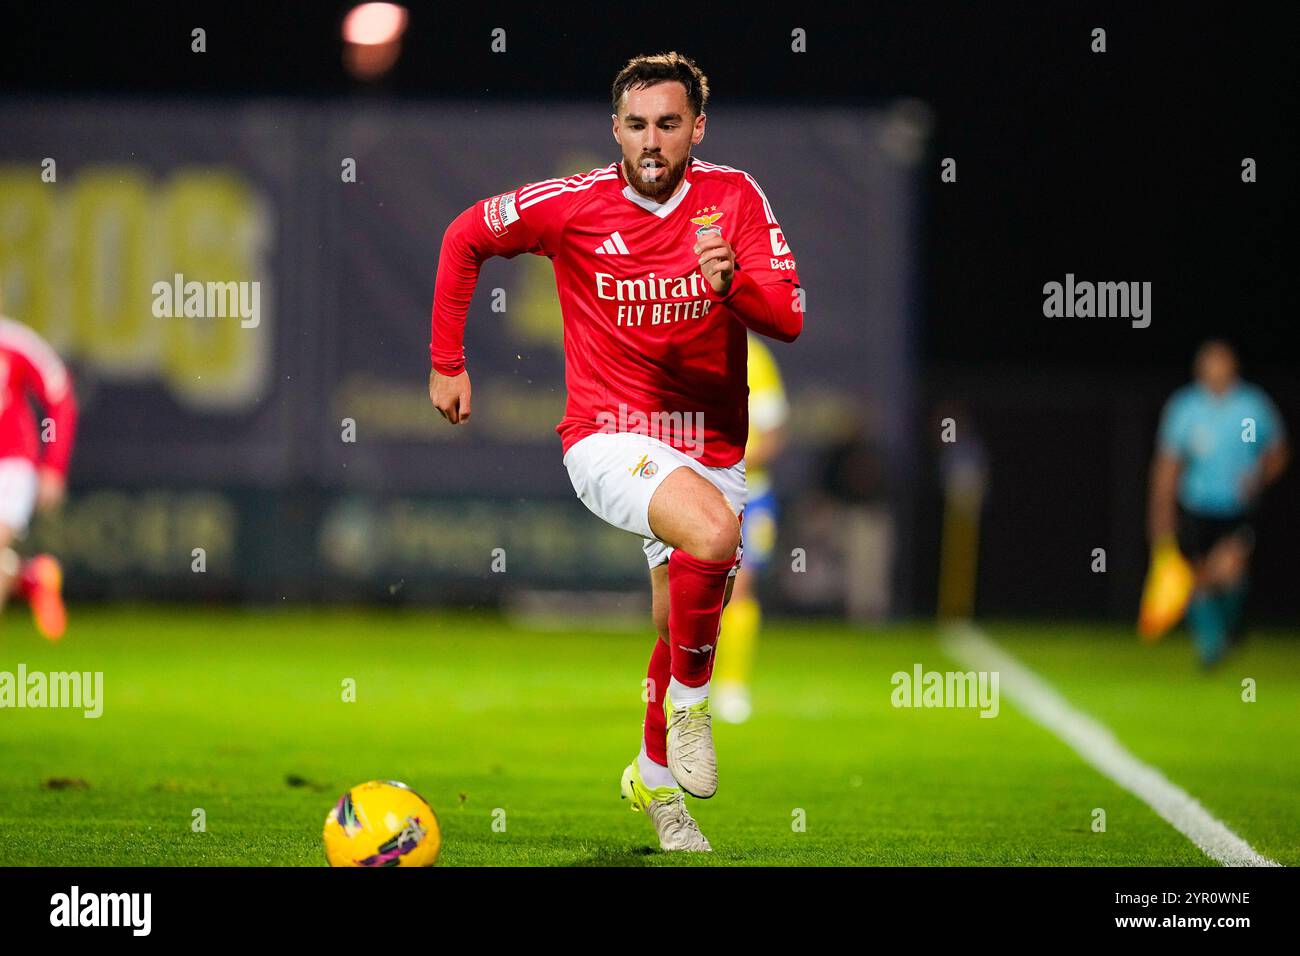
(1099, 747)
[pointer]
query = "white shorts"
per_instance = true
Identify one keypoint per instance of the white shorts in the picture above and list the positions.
(17, 493)
(616, 473)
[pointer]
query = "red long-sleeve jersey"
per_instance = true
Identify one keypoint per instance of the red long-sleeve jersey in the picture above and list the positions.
(29, 368)
(645, 335)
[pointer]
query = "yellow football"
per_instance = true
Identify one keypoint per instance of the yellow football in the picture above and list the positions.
(382, 823)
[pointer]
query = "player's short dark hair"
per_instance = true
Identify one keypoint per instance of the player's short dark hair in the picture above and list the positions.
(647, 70)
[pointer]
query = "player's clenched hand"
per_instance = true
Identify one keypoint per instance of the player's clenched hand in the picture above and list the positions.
(717, 262)
(450, 396)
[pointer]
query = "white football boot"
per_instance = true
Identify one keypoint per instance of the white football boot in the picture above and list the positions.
(666, 808)
(691, 756)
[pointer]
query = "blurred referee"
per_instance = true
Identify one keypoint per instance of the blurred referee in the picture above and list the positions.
(1221, 443)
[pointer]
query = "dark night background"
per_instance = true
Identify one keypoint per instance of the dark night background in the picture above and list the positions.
(1117, 166)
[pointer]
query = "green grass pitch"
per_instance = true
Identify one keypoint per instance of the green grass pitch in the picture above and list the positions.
(240, 713)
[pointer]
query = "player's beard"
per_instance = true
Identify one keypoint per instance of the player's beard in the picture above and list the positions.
(662, 188)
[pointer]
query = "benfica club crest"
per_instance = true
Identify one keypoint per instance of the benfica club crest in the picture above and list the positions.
(706, 221)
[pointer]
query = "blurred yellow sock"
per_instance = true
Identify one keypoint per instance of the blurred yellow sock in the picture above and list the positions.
(740, 623)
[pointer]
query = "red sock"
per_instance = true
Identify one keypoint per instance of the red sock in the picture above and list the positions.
(25, 583)
(714, 657)
(695, 591)
(656, 724)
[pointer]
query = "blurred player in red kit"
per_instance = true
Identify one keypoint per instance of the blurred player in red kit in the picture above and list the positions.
(662, 262)
(33, 466)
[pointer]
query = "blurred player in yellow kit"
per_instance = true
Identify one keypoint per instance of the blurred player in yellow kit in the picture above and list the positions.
(741, 618)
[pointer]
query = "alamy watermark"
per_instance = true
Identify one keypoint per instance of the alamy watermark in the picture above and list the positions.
(208, 300)
(1102, 300)
(922, 688)
(82, 690)
(75, 908)
(682, 430)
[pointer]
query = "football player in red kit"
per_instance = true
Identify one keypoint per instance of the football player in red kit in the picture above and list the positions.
(33, 466)
(662, 262)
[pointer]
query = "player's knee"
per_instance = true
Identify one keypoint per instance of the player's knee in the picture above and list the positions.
(717, 537)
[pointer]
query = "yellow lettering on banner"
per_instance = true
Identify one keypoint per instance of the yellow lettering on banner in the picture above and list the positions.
(214, 234)
(78, 263)
(111, 319)
(26, 223)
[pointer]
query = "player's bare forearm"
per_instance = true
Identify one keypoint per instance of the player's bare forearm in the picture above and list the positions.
(1274, 463)
(1162, 505)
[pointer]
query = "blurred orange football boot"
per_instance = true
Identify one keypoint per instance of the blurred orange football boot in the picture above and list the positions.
(45, 595)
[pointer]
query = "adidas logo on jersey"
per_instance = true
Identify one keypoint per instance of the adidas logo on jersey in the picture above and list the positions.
(613, 246)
